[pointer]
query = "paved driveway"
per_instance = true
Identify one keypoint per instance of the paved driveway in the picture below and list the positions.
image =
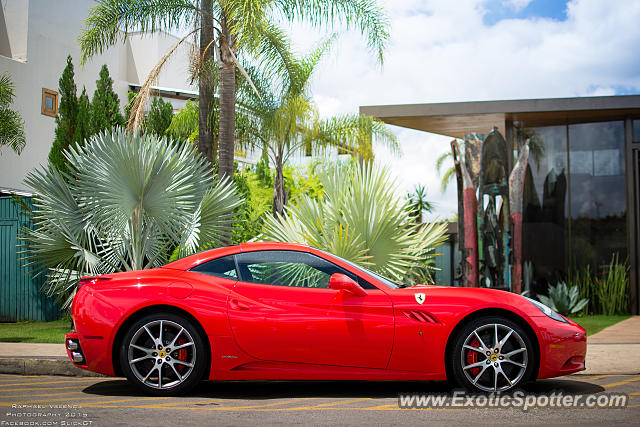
(48, 400)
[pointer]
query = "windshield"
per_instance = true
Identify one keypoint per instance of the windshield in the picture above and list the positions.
(387, 282)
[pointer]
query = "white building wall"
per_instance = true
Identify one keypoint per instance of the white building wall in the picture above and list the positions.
(53, 28)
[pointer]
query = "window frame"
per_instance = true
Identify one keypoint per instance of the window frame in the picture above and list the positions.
(51, 112)
(235, 268)
(365, 284)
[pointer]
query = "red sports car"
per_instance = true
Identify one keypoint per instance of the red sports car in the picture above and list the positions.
(279, 311)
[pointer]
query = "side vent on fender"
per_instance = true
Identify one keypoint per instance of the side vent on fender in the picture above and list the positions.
(419, 316)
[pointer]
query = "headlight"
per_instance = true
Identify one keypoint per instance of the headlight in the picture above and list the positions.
(546, 310)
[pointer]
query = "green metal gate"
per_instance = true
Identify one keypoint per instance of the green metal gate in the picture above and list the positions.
(20, 296)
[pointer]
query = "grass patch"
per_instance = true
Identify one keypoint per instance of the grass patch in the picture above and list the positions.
(42, 332)
(597, 322)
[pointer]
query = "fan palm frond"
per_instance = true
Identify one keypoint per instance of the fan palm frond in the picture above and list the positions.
(131, 199)
(362, 219)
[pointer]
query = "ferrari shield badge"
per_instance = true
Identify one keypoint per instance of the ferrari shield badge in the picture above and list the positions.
(419, 297)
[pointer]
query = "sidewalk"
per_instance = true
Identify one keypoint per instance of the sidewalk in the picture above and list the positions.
(38, 359)
(613, 350)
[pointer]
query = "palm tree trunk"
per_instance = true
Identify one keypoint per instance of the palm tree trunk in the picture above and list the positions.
(279, 189)
(205, 134)
(227, 103)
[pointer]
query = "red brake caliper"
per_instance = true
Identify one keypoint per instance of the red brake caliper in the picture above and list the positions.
(182, 355)
(472, 357)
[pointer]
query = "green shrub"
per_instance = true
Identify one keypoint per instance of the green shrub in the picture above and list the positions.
(613, 289)
(608, 293)
(564, 299)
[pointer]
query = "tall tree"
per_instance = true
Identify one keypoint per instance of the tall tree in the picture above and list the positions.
(206, 144)
(11, 123)
(226, 28)
(83, 121)
(418, 203)
(66, 120)
(159, 117)
(289, 122)
(449, 173)
(105, 104)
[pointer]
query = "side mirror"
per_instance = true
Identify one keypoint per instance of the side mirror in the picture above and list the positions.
(341, 282)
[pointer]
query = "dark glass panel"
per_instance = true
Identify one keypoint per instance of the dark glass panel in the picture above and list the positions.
(545, 205)
(289, 268)
(224, 267)
(598, 193)
(636, 131)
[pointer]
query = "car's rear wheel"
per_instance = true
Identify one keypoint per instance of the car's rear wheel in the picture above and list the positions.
(492, 354)
(163, 354)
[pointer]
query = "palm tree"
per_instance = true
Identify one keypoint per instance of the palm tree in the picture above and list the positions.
(418, 203)
(226, 28)
(353, 134)
(11, 124)
(289, 123)
(361, 218)
(449, 173)
(108, 216)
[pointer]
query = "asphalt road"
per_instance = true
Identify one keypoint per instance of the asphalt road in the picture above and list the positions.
(63, 401)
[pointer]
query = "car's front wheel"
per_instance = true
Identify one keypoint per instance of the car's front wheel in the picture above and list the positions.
(163, 354)
(492, 354)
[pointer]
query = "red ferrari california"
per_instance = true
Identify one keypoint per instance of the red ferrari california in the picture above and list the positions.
(279, 311)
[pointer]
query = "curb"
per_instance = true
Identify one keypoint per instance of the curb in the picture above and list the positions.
(43, 366)
(61, 366)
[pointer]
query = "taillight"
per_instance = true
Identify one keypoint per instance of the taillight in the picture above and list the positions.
(92, 280)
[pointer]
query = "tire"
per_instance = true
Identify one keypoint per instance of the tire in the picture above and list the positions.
(143, 354)
(481, 364)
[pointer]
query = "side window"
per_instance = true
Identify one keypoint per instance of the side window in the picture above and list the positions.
(287, 268)
(223, 267)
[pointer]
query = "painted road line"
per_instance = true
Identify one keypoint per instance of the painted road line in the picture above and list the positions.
(16, 396)
(330, 404)
(37, 388)
(223, 408)
(16, 377)
(71, 400)
(597, 377)
(51, 382)
(60, 378)
(90, 404)
(627, 381)
(170, 404)
(382, 407)
(266, 405)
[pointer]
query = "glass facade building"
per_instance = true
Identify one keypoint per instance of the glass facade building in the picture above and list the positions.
(582, 187)
(575, 211)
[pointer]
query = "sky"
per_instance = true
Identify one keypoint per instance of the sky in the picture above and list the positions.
(474, 50)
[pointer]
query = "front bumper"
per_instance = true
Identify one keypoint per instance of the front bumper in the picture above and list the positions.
(563, 347)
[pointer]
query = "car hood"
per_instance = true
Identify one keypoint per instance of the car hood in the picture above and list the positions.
(459, 299)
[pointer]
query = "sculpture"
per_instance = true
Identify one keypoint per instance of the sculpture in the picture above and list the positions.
(488, 197)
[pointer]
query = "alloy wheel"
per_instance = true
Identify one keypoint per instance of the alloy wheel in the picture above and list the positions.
(494, 357)
(161, 354)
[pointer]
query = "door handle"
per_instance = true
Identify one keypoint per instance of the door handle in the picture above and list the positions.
(237, 305)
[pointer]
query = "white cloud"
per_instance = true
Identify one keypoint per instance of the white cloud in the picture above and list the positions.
(441, 51)
(516, 5)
